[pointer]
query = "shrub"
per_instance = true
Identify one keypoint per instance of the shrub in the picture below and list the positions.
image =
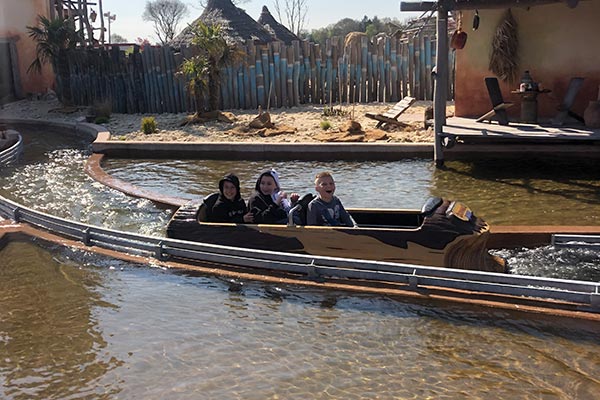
(149, 125)
(329, 111)
(101, 120)
(325, 125)
(102, 109)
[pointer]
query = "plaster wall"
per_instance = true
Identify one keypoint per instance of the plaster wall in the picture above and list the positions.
(555, 44)
(15, 16)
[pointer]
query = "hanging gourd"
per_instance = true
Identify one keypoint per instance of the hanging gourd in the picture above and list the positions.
(504, 60)
(459, 37)
(476, 20)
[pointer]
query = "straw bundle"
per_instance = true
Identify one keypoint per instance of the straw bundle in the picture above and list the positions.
(504, 61)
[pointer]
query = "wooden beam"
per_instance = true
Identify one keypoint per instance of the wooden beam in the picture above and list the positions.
(441, 84)
(478, 4)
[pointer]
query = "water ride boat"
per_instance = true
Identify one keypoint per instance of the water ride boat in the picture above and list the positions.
(442, 233)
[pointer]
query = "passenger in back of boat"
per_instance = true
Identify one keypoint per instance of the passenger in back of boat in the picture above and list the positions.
(327, 209)
(265, 208)
(230, 207)
(286, 203)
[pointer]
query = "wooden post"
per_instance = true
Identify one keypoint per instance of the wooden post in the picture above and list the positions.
(441, 83)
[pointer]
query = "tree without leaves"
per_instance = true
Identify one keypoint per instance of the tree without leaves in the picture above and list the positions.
(295, 13)
(165, 14)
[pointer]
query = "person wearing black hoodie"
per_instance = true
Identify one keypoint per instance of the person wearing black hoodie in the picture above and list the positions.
(264, 209)
(230, 207)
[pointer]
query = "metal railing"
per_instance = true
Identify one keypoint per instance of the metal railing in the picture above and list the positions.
(12, 154)
(585, 294)
(564, 240)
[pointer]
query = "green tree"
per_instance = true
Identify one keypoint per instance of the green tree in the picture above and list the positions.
(196, 70)
(116, 38)
(54, 38)
(217, 54)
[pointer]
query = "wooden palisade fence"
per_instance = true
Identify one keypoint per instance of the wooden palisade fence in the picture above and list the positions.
(273, 75)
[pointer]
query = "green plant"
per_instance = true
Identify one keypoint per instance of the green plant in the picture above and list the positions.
(102, 109)
(329, 111)
(149, 125)
(54, 38)
(204, 70)
(101, 120)
(325, 125)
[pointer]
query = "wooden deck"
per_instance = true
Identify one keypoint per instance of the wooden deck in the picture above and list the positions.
(485, 139)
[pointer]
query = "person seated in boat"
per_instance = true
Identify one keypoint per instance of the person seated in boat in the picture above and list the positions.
(327, 209)
(230, 207)
(266, 202)
(286, 203)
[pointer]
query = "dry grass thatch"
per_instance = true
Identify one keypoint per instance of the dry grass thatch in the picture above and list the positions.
(504, 61)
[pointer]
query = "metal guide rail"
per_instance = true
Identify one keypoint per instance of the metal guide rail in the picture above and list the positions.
(11, 154)
(563, 240)
(586, 295)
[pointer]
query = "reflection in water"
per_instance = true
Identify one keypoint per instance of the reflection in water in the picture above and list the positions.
(48, 331)
(155, 334)
(401, 184)
(503, 192)
(525, 192)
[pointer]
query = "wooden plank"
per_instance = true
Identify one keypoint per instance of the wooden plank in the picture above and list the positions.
(277, 66)
(264, 54)
(364, 41)
(296, 72)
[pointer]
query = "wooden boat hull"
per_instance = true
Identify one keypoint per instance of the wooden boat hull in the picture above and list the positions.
(437, 239)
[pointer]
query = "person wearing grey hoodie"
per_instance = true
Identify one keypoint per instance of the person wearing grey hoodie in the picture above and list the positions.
(230, 207)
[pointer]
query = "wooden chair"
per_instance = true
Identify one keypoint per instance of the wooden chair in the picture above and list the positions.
(564, 109)
(390, 116)
(499, 106)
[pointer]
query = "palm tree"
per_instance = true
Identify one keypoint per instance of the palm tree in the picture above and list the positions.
(196, 70)
(54, 37)
(217, 54)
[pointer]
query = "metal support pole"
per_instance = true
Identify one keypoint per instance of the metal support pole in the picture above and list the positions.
(441, 83)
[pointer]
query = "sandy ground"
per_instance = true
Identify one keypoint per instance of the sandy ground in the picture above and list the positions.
(293, 125)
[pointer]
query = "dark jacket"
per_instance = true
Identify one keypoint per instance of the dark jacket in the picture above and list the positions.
(226, 210)
(265, 210)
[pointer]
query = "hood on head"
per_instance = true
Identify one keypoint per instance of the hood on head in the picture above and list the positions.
(233, 179)
(273, 174)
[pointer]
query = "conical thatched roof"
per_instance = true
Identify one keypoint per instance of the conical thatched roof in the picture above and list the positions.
(278, 31)
(237, 25)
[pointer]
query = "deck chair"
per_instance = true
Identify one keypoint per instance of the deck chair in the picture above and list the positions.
(564, 109)
(390, 116)
(499, 106)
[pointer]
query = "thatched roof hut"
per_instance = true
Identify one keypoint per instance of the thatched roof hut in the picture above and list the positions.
(238, 26)
(278, 31)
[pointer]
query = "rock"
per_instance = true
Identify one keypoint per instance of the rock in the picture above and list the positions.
(375, 134)
(263, 120)
(352, 127)
(282, 130)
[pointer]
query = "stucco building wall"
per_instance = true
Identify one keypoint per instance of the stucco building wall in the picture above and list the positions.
(15, 16)
(555, 44)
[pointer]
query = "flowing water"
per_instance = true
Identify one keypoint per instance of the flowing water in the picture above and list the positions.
(75, 325)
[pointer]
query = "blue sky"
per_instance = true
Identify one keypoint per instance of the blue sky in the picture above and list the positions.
(321, 13)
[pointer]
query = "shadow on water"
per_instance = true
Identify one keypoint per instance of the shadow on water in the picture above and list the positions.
(398, 307)
(536, 191)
